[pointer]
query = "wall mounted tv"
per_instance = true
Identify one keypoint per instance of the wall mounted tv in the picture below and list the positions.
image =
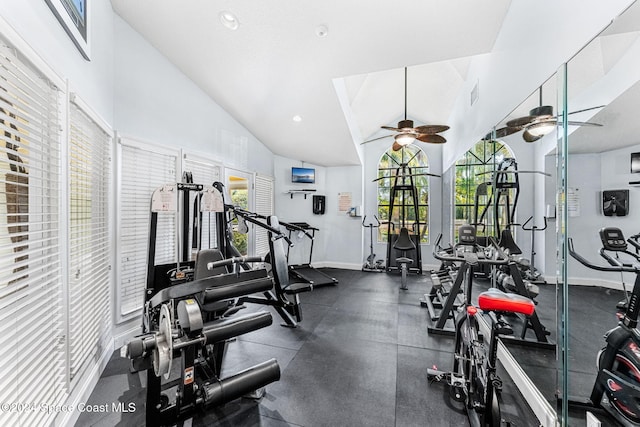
(635, 162)
(303, 175)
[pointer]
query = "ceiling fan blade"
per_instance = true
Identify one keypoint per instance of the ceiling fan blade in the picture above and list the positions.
(529, 137)
(375, 139)
(514, 172)
(587, 109)
(396, 146)
(573, 123)
(390, 128)
(433, 139)
(423, 174)
(406, 176)
(506, 131)
(431, 129)
(520, 122)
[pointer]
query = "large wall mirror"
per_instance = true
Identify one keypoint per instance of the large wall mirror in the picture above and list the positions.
(575, 142)
(603, 90)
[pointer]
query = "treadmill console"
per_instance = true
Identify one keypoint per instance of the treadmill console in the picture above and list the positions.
(613, 239)
(467, 235)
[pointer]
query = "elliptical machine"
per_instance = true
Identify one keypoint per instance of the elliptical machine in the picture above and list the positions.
(617, 386)
(371, 264)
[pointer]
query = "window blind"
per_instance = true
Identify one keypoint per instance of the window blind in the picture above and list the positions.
(264, 206)
(89, 242)
(144, 169)
(32, 339)
(205, 172)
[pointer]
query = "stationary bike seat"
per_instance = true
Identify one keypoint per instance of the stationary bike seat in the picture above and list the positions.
(496, 300)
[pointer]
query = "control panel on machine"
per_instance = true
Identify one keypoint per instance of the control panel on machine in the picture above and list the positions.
(467, 235)
(613, 239)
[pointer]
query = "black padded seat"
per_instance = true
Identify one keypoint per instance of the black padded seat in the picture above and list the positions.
(279, 267)
(507, 242)
(203, 257)
(296, 288)
(404, 242)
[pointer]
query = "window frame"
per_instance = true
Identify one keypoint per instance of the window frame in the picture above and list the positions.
(383, 208)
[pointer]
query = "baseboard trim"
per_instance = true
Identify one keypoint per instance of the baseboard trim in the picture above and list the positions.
(83, 391)
(586, 281)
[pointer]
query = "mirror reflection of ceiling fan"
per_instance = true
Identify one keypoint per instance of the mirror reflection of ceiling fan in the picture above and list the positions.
(406, 133)
(538, 123)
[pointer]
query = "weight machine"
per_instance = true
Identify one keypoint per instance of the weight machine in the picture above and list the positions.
(403, 209)
(284, 297)
(189, 314)
(500, 197)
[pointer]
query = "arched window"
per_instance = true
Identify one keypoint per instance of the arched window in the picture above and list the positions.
(399, 174)
(474, 170)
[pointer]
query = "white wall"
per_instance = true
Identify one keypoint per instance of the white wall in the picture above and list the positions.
(297, 208)
(590, 174)
(156, 102)
(517, 64)
(92, 80)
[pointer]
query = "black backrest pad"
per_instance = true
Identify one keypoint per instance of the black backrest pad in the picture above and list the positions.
(404, 242)
(279, 267)
(204, 257)
(507, 242)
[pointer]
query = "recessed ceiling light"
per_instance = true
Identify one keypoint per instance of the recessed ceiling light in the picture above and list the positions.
(229, 20)
(322, 31)
(297, 118)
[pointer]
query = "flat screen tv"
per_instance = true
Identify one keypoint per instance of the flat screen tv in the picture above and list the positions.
(635, 162)
(303, 175)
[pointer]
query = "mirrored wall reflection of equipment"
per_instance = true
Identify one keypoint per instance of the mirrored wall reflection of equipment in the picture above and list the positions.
(615, 202)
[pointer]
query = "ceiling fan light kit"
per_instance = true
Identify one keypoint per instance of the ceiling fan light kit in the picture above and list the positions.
(540, 122)
(229, 20)
(407, 133)
(541, 129)
(404, 139)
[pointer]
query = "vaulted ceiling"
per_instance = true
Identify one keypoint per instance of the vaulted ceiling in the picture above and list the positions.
(337, 64)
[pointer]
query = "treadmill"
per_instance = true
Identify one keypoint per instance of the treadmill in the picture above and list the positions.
(306, 272)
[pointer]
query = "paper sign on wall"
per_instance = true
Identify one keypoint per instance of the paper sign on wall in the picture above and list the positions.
(344, 202)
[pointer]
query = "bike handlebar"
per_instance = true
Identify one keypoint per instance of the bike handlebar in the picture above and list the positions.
(371, 224)
(616, 266)
(503, 260)
(534, 227)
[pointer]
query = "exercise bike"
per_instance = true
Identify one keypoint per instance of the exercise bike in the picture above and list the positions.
(617, 386)
(473, 379)
(371, 264)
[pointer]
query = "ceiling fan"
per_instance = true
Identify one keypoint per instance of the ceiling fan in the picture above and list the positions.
(407, 133)
(538, 123)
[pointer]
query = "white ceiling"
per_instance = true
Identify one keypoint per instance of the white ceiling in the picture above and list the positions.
(350, 82)
(274, 66)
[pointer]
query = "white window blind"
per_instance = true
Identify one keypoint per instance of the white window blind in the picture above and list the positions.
(264, 206)
(144, 169)
(89, 242)
(32, 342)
(205, 172)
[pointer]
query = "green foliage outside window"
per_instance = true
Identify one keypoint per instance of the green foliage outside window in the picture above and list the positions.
(471, 171)
(389, 163)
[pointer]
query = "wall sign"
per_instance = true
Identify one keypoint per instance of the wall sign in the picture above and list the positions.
(73, 15)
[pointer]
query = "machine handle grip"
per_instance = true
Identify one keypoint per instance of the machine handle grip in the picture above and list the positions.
(234, 260)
